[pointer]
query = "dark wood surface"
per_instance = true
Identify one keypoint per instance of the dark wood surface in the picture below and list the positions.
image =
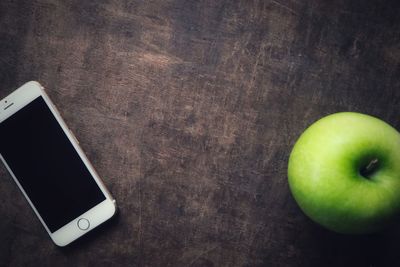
(188, 110)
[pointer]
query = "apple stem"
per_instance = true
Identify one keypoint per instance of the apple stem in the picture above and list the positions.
(370, 168)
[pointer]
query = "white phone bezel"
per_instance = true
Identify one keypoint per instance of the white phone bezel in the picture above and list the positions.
(96, 215)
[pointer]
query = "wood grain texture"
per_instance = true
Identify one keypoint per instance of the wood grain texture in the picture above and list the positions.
(188, 110)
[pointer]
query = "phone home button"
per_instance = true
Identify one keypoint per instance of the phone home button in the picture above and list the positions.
(83, 224)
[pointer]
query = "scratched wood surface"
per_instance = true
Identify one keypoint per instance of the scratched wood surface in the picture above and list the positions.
(188, 110)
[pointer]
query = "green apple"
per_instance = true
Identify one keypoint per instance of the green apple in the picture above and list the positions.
(344, 173)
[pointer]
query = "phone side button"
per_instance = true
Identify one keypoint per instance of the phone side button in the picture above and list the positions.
(83, 224)
(73, 136)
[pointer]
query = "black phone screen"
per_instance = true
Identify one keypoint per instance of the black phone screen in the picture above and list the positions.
(47, 166)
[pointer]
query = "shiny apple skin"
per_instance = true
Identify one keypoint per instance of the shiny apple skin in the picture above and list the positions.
(325, 174)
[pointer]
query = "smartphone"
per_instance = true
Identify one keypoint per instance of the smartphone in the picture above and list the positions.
(48, 165)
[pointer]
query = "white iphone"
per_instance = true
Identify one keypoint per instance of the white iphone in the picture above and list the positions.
(45, 160)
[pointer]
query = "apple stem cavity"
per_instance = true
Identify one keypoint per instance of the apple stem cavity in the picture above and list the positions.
(370, 168)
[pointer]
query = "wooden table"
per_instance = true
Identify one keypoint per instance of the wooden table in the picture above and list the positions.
(189, 110)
